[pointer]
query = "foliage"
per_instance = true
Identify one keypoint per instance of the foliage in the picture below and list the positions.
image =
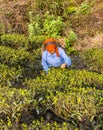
(75, 104)
(63, 7)
(73, 98)
(14, 40)
(93, 59)
(70, 38)
(49, 27)
(53, 26)
(12, 102)
(9, 76)
(48, 126)
(34, 27)
(13, 57)
(71, 9)
(59, 80)
(70, 94)
(84, 8)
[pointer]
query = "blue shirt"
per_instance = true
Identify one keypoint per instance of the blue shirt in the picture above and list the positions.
(52, 60)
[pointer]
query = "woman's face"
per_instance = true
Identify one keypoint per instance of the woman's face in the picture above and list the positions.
(51, 51)
(51, 48)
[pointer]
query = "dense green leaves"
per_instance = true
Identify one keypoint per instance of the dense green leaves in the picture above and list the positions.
(12, 103)
(62, 99)
(13, 57)
(93, 59)
(14, 40)
(9, 76)
(70, 94)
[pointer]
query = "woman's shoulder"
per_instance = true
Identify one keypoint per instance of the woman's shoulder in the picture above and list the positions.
(60, 49)
(44, 53)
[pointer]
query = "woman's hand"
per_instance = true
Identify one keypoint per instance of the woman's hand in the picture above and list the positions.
(63, 65)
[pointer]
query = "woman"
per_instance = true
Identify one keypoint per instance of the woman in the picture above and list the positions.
(54, 56)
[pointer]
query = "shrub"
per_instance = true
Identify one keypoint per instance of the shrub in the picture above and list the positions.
(49, 27)
(42, 125)
(59, 81)
(73, 95)
(84, 9)
(12, 103)
(14, 40)
(69, 40)
(9, 76)
(35, 26)
(93, 60)
(53, 26)
(65, 80)
(69, 94)
(76, 104)
(13, 57)
(29, 62)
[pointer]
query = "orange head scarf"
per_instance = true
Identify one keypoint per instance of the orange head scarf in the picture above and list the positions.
(50, 45)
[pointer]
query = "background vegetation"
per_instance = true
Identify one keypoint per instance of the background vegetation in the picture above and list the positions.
(70, 99)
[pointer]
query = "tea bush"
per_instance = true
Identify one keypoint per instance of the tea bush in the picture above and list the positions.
(93, 60)
(14, 57)
(48, 126)
(84, 78)
(14, 40)
(53, 26)
(76, 103)
(49, 27)
(33, 66)
(75, 97)
(65, 80)
(29, 62)
(9, 76)
(13, 102)
(70, 94)
(35, 26)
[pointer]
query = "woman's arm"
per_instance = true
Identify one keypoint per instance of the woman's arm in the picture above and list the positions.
(66, 58)
(44, 63)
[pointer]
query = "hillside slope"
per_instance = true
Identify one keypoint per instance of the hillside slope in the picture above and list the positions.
(13, 15)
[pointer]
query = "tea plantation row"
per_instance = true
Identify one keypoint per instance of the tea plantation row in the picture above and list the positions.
(60, 100)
